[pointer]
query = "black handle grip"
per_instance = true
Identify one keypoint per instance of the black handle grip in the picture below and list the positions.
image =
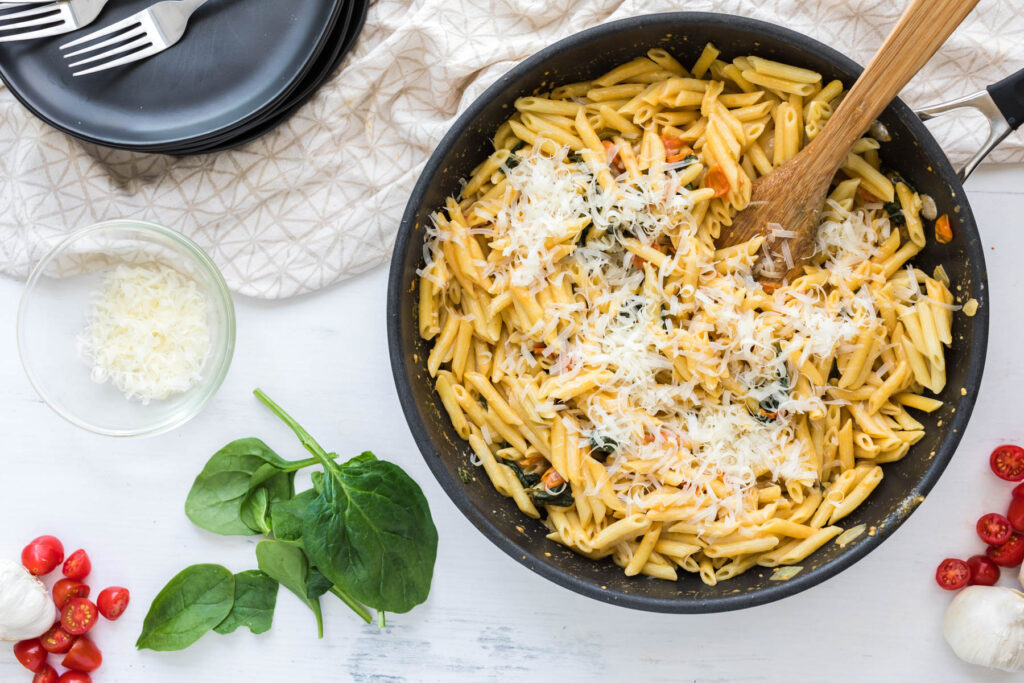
(1008, 94)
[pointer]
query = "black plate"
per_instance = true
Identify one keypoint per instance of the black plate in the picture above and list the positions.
(339, 45)
(584, 56)
(237, 58)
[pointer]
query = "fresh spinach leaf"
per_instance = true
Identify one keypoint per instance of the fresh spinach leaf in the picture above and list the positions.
(193, 602)
(370, 532)
(255, 599)
(286, 516)
(288, 565)
(255, 509)
(217, 495)
(318, 584)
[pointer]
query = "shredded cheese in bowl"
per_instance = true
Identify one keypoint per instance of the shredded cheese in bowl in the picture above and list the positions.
(147, 332)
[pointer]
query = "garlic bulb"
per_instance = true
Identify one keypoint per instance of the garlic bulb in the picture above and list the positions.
(26, 610)
(985, 625)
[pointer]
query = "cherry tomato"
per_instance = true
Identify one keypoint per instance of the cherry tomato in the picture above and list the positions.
(56, 641)
(1018, 491)
(1008, 462)
(31, 654)
(78, 616)
(84, 656)
(716, 179)
(552, 479)
(994, 529)
(78, 565)
(984, 571)
(1009, 554)
(112, 602)
(75, 677)
(1016, 513)
(42, 555)
(46, 675)
(952, 574)
(66, 589)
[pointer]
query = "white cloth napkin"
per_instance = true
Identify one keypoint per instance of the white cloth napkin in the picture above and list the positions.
(320, 198)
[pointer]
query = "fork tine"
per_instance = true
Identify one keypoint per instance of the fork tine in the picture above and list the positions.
(122, 61)
(113, 28)
(106, 43)
(56, 20)
(42, 33)
(35, 11)
(141, 41)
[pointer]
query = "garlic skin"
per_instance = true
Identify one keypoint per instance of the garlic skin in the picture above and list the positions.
(985, 625)
(26, 610)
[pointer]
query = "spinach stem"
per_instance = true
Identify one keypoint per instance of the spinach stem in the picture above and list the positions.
(300, 464)
(304, 437)
(355, 606)
(381, 619)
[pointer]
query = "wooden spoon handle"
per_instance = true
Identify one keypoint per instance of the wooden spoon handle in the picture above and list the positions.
(923, 28)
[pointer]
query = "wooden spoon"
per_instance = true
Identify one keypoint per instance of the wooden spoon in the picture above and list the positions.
(792, 195)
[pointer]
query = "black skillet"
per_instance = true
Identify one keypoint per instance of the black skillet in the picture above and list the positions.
(912, 151)
(238, 58)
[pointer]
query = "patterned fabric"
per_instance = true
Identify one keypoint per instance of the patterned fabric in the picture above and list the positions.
(320, 198)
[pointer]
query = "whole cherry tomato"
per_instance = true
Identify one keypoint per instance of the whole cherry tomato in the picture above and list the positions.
(952, 574)
(78, 565)
(66, 589)
(984, 572)
(75, 677)
(78, 616)
(1009, 554)
(112, 602)
(1008, 462)
(31, 654)
(56, 641)
(83, 656)
(994, 528)
(42, 555)
(46, 675)
(1016, 513)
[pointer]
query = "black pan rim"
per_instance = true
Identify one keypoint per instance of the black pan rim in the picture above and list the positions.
(152, 146)
(805, 580)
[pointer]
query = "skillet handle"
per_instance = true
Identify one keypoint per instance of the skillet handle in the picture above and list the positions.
(1002, 104)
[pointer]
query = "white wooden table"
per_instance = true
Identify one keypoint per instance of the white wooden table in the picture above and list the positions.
(324, 358)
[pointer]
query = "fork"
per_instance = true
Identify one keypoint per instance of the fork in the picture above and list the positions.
(49, 19)
(140, 36)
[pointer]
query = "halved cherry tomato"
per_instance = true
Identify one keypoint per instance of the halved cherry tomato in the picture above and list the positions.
(75, 677)
(716, 179)
(1009, 554)
(1016, 513)
(42, 555)
(994, 529)
(672, 145)
(943, 233)
(78, 565)
(952, 574)
(31, 654)
(84, 656)
(552, 479)
(1008, 462)
(984, 572)
(56, 641)
(46, 675)
(78, 616)
(66, 589)
(112, 602)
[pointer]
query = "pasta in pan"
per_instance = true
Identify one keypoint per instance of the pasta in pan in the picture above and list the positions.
(618, 376)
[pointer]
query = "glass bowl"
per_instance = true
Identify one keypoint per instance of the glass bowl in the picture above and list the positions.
(54, 312)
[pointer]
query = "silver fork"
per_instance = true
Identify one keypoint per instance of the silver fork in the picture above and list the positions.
(140, 36)
(42, 20)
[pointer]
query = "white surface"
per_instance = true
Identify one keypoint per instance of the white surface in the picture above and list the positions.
(324, 358)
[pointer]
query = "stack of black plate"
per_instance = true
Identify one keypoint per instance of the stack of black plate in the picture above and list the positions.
(243, 68)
